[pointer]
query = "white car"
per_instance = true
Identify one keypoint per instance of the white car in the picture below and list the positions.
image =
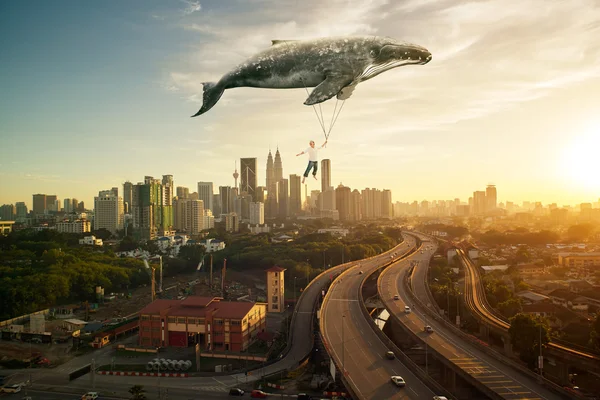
(396, 297)
(398, 381)
(11, 389)
(90, 396)
(439, 398)
(406, 310)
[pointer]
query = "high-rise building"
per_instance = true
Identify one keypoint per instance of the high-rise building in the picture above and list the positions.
(278, 167)
(108, 211)
(74, 204)
(217, 205)
(232, 222)
(21, 208)
(68, 206)
(52, 203)
(261, 194)
(77, 226)
(8, 212)
(194, 216)
(295, 195)
(127, 196)
(180, 214)
(167, 203)
(342, 201)
(257, 213)
(479, 202)
(283, 198)
(355, 206)
(270, 171)
(147, 208)
(183, 192)
(491, 197)
(325, 174)
(205, 193)
(227, 199)
(39, 204)
(248, 176)
(327, 200)
(386, 204)
(367, 204)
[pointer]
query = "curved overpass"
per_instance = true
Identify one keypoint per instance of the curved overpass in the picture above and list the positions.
(488, 374)
(353, 344)
(476, 301)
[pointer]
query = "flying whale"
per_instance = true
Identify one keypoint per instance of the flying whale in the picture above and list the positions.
(333, 66)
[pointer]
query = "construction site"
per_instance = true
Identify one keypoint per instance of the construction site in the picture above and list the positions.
(60, 333)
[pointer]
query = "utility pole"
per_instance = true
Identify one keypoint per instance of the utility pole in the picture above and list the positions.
(541, 357)
(343, 343)
(211, 280)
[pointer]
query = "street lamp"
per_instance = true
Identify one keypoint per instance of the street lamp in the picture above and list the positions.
(343, 342)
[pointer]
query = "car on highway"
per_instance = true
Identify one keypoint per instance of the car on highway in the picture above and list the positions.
(90, 396)
(390, 355)
(11, 389)
(236, 392)
(360, 272)
(440, 398)
(406, 309)
(258, 394)
(428, 329)
(398, 381)
(396, 297)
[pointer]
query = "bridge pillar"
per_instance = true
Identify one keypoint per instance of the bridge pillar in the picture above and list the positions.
(508, 350)
(484, 332)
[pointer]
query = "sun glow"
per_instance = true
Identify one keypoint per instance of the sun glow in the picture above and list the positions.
(582, 160)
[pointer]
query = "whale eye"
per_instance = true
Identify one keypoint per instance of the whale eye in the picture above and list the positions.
(373, 53)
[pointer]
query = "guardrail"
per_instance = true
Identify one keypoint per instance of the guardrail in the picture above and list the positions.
(490, 314)
(489, 350)
(405, 359)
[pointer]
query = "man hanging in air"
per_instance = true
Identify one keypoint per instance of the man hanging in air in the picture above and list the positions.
(313, 159)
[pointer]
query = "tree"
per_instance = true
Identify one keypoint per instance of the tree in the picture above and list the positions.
(137, 392)
(102, 233)
(578, 233)
(510, 307)
(192, 253)
(524, 334)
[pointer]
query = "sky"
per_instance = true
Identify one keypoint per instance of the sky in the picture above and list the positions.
(98, 93)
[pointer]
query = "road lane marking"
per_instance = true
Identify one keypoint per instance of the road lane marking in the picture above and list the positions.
(412, 390)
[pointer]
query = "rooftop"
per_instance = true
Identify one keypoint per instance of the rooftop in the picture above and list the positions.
(275, 268)
(198, 306)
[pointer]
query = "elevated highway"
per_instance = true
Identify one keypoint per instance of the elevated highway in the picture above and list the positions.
(492, 377)
(353, 344)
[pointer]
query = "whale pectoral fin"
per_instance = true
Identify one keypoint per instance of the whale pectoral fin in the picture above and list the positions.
(330, 87)
(346, 91)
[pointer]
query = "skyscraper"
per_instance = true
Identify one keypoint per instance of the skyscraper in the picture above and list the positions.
(205, 193)
(248, 176)
(283, 198)
(355, 206)
(21, 208)
(68, 206)
(150, 215)
(270, 171)
(8, 212)
(52, 203)
(108, 211)
(183, 192)
(325, 174)
(168, 188)
(227, 199)
(479, 202)
(491, 197)
(257, 213)
(127, 196)
(342, 201)
(295, 195)
(39, 203)
(194, 216)
(386, 203)
(278, 166)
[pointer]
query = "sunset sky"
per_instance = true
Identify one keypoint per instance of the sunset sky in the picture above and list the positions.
(97, 93)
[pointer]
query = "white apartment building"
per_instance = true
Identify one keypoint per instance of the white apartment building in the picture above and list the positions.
(108, 211)
(194, 216)
(257, 213)
(77, 226)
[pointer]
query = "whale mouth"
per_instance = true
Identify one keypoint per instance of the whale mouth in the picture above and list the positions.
(373, 70)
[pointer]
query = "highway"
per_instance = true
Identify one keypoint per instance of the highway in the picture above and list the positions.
(500, 380)
(151, 394)
(354, 345)
(477, 302)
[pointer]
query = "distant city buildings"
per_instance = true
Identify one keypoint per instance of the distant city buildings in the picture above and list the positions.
(108, 212)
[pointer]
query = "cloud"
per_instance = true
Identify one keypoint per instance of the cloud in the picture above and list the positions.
(487, 57)
(191, 7)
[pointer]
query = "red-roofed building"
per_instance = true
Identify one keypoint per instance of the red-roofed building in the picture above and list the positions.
(212, 323)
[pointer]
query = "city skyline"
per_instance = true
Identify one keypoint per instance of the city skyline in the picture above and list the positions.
(508, 98)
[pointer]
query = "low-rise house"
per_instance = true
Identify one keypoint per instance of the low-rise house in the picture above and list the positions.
(531, 270)
(530, 297)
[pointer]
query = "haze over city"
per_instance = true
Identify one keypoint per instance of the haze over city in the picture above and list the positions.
(101, 93)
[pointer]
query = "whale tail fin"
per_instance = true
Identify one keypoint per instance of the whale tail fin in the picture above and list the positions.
(212, 93)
